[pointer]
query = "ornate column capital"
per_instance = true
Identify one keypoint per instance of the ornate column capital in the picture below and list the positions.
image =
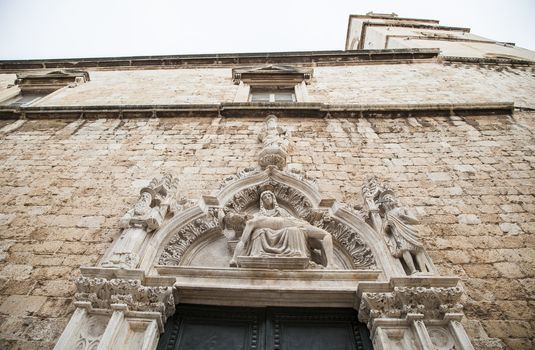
(102, 293)
(429, 302)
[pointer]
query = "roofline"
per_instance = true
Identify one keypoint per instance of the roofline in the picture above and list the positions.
(225, 59)
(396, 18)
(433, 24)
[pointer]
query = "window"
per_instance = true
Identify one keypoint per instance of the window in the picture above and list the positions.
(31, 87)
(272, 95)
(272, 83)
(22, 99)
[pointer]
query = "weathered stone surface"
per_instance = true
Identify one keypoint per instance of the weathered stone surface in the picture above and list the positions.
(22, 305)
(64, 195)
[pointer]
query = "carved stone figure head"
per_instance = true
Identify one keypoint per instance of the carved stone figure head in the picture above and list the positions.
(268, 201)
(371, 188)
(144, 203)
(388, 201)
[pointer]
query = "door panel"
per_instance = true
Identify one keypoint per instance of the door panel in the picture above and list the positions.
(315, 329)
(196, 327)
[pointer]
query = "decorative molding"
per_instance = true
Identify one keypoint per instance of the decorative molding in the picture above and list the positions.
(90, 334)
(184, 238)
(361, 255)
(271, 74)
(102, 293)
(242, 174)
(431, 303)
(51, 81)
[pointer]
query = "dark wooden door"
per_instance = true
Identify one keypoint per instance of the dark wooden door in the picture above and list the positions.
(195, 327)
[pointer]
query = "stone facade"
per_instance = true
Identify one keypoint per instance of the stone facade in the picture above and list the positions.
(468, 177)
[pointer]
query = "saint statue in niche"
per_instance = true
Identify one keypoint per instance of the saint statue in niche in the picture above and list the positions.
(400, 236)
(274, 232)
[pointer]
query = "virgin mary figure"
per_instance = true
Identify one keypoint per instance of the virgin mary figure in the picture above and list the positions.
(274, 232)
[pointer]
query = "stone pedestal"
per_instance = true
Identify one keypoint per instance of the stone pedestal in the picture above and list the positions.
(276, 263)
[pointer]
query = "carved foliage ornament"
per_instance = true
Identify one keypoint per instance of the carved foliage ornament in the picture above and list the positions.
(101, 293)
(432, 303)
(361, 254)
(89, 337)
(251, 195)
(182, 240)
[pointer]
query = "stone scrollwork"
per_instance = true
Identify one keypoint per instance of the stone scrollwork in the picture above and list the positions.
(89, 336)
(102, 293)
(276, 142)
(251, 195)
(155, 202)
(182, 240)
(242, 174)
(395, 223)
(431, 303)
(361, 255)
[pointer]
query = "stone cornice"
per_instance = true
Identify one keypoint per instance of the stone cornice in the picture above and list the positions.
(225, 60)
(248, 109)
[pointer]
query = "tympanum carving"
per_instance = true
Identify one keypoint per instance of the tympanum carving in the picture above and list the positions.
(274, 233)
(181, 241)
(361, 255)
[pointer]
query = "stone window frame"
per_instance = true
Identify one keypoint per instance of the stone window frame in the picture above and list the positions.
(272, 77)
(41, 85)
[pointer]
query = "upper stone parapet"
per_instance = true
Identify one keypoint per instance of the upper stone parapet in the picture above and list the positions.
(389, 31)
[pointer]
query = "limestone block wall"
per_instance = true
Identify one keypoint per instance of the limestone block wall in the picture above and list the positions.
(64, 185)
(427, 83)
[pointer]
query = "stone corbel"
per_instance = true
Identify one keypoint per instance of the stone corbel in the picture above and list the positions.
(156, 201)
(415, 317)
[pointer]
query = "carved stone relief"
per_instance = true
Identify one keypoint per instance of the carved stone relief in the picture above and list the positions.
(232, 218)
(183, 239)
(441, 338)
(90, 334)
(273, 235)
(102, 293)
(394, 222)
(276, 141)
(432, 303)
(154, 203)
(361, 254)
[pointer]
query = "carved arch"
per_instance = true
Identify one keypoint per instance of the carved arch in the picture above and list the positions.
(360, 241)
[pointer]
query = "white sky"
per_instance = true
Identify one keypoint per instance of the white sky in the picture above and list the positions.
(106, 28)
